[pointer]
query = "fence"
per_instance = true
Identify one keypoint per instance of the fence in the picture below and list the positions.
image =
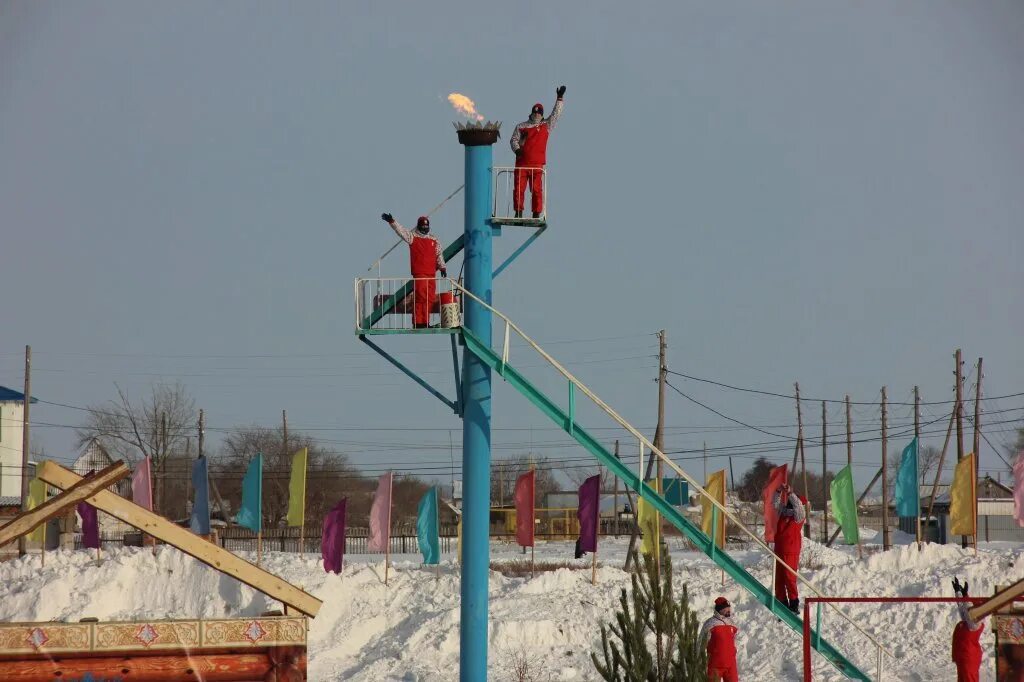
(395, 299)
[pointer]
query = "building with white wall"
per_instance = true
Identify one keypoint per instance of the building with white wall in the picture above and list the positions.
(12, 420)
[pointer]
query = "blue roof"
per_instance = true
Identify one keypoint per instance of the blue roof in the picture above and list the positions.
(9, 395)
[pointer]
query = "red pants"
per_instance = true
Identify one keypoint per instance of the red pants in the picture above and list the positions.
(724, 674)
(423, 300)
(535, 178)
(785, 581)
(965, 672)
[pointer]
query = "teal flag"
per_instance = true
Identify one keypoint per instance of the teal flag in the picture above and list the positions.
(427, 530)
(908, 493)
(250, 514)
(844, 505)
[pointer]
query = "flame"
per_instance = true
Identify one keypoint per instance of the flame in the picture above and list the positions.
(465, 106)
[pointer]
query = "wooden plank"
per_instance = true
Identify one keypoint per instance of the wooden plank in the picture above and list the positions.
(26, 522)
(184, 667)
(206, 552)
(1002, 598)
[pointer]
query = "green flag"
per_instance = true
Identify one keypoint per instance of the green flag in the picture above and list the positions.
(297, 490)
(844, 505)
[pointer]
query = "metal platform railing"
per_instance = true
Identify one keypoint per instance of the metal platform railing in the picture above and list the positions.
(506, 180)
(396, 298)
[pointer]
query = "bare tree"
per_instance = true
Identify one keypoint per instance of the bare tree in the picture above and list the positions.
(157, 425)
(504, 473)
(580, 474)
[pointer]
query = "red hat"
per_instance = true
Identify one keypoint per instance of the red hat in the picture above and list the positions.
(423, 221)
(722, 603)
(538, 108)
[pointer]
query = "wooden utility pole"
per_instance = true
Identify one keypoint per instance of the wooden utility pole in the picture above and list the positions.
(659, 431)
(25, 431)
(960, 418)
(977, 448)
(849, 463)
(284, 431)
(615, 499)
(803, 460)
(885, 478)
(705, 460)
(202, 431)
(938, 470)
(917, 474)
(824, 471)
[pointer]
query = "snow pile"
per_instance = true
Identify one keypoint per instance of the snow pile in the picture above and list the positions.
(409, 630)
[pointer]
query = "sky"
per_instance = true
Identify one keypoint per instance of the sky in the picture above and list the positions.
(828, 193)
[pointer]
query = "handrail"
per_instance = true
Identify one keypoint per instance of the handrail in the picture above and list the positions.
(644, 442)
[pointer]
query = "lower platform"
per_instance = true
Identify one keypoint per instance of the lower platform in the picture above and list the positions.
(521, 222)
(428, 330)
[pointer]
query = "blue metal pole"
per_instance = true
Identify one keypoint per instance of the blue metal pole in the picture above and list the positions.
(476, 418)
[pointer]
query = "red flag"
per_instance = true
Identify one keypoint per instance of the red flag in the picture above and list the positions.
(776, 478)
(524, 509)
(587, 513)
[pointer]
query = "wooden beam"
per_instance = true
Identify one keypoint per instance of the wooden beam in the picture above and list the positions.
(163, 667)
(172, 534)
(28, 521)
(1002, 598)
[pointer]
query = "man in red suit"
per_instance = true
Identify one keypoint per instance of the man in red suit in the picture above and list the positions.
(718, 634)
(530, 144)
(425, 259)
(966, 639)
(788, 540)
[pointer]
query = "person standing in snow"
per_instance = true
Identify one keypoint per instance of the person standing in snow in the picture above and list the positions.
(966, 639)
(788, 540)
(425, 258)
(718, 634)
(530, 144)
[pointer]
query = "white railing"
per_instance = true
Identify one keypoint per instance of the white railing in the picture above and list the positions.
(389, 303)
(643, 445)
(506, 179)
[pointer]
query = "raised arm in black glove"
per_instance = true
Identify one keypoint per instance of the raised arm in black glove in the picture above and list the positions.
(387, 217)
(560, 91)
(957, 589)
(963, 589)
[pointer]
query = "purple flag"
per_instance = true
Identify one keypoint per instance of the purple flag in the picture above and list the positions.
(1018, 489)
(589, 509)
(90, 525)
(332, 545)
(142, 486)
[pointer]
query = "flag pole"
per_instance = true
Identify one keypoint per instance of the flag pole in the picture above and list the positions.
(597, 530)
(974, 488)
(387, 542)
(437, 531)
(259, 545)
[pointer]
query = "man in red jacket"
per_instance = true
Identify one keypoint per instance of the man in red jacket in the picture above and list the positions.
(425, 258)
(718, 634)
(966, 639)
(530, 144)
(788, 539)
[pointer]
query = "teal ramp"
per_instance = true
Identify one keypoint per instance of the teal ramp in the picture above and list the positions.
(695, 534)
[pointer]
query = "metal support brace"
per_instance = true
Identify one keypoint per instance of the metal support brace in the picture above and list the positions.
(504, 351)
(572, 408)
(519, 251)
(409, 373)
(458, 377)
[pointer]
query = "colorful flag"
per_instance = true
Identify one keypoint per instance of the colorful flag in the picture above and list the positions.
(332, 545)
(90, 525)
(524, 498)
(427, 530)
(1018, 488)
(588, 512)
(648, 520)
(844, 505)
(36, 496)
(142, 484)
(200, 522)
(297, 489)
(776, 478)
(250, 513)
(716, 489)
(962, 502)
(380, 515)
(908, 492)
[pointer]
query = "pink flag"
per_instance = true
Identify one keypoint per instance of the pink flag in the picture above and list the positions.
(142, 485)
(776, 478)
(1018, 488)
(524, 508)
(380, 515)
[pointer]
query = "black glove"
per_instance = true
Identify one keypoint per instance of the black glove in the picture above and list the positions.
(560, 91)
(444, 273)
(963, 590)
(956, 586)
(387, 217)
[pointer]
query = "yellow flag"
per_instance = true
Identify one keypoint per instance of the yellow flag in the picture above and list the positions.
(647, 519)
(36, 496)
(297, 490)
(962, 498)
(716, 488)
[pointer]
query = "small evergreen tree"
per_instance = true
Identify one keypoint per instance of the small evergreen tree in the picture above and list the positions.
(678, 655)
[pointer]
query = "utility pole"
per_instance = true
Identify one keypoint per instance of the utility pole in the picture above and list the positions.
(202, 431)
(615, 501)
(659, 431)
(25, 427)
(849, 435)
(800, 450)
(885, 478)
(284, 430)
(705, 460)
(824, 472)
(960, 418)
(917, 474)
(977, 447)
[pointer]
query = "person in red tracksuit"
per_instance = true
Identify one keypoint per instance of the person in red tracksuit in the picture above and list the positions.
(788, 539)
(425, 259)
(530, 144)
(718, 634)
(966, 639)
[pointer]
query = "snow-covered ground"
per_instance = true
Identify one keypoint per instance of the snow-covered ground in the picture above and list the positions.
(409, 629)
